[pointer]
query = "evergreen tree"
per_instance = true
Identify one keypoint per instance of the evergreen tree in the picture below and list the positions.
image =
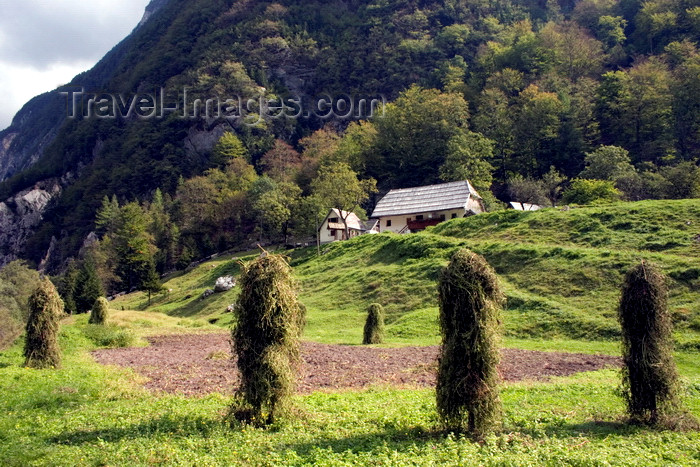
(88, 286)
(67, 288)
(134, 247)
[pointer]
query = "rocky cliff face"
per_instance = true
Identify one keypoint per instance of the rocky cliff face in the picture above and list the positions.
(21, 214)
(38, 123)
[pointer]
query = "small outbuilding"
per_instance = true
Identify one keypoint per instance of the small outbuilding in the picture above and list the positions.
(409, 210)
(524, 206)
(332, 228)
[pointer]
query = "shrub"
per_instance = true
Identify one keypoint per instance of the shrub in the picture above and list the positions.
(374, 326)
(470, 300)
(98, 315)
(649, 376)
(265, 340)
(109, 336)
(88, 287)
(41, 345)
(584, 191)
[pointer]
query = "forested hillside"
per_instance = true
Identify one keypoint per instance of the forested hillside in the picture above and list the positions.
(520, 97)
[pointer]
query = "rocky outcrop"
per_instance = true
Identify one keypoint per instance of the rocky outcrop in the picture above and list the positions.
(21, 214)
(152, 7)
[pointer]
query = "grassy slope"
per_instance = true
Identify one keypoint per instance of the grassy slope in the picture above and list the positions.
(561, 271)
(559, 283)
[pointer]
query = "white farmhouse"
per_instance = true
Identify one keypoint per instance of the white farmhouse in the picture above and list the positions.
(332, 228)
(413, 209)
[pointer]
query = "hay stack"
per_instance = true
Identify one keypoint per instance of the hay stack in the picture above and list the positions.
(467, 386)
(41, 345)
(98, 315)
(649, 376)
(265, 339)
(374, 326)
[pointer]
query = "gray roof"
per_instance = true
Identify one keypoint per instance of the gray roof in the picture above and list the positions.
(453, 195)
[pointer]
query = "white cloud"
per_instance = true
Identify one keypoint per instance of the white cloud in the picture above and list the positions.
(19, 83)
(44, 43)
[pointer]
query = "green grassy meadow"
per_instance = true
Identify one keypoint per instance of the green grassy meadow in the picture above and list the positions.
(561, 271)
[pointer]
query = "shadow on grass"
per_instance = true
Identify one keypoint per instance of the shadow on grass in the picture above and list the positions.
(172, 426)
(391, 437)
(592, 428)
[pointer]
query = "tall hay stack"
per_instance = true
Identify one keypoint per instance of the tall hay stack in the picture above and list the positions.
(269, 323)
(467, 385)
(41, 345)
(649, 376)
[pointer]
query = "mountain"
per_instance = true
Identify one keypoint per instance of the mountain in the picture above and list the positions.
(545, 81)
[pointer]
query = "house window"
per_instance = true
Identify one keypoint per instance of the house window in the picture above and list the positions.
(333, 220)
(388, 223)
(454, 216)
(442, 217)
(419, 218)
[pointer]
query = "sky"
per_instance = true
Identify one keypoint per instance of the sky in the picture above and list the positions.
(45, 43)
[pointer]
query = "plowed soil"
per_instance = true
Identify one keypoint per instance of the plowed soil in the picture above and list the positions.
(201, 364)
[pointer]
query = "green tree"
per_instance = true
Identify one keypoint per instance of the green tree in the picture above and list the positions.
(527, 190)
(608, 163)
(683, 180)
(468, 159)
(413, 136)
(133, 246)
(635, 110)
(107, 215)
(67, 287)
(583, 191)
(88, 286)
(165, 232)
(536, 128)
(227, 148)
(552, 184)
(338, 187)
(275, 207)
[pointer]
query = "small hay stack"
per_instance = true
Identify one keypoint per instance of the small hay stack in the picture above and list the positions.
(98, 315)
(374, 326)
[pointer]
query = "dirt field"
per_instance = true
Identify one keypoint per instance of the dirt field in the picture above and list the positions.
(200, 364)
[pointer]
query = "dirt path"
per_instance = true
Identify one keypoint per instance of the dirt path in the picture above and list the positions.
(200, 364)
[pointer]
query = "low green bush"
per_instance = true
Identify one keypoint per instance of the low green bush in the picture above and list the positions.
(110, 335)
